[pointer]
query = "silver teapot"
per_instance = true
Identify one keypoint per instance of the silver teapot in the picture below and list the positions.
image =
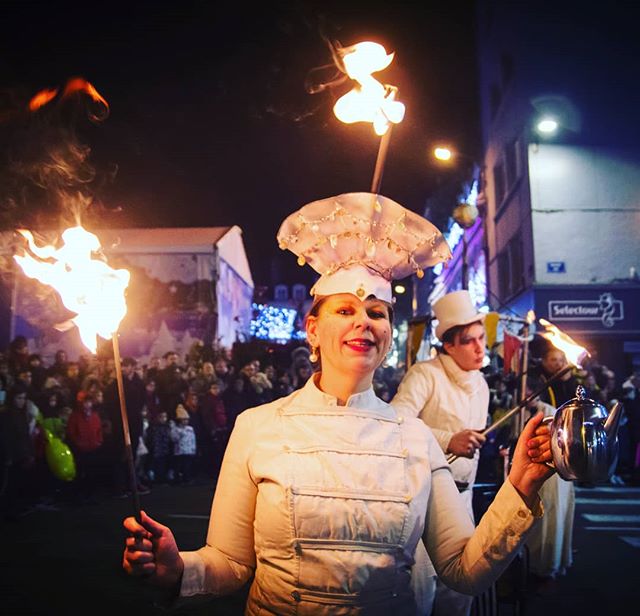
(584, 439)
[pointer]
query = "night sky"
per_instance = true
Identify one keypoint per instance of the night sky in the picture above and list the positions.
(211, 122)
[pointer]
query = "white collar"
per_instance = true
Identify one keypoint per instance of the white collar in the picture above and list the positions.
(468, 380)
(312, 395)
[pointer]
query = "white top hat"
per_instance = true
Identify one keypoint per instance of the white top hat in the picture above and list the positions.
(455, 309)
(360, 242)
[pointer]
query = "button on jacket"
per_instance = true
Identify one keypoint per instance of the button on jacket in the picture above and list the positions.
(325, 504)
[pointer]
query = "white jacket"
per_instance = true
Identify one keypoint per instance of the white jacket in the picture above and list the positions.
(449, 400)
(326, 503)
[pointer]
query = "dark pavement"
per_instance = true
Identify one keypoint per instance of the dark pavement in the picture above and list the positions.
(67, 562)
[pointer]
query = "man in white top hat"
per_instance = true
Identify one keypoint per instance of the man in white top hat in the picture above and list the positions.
(450, 394)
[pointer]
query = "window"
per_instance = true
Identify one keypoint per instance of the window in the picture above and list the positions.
(511, 164)
(499, 183)
(281, 293)
(511, 268)
(299, 292)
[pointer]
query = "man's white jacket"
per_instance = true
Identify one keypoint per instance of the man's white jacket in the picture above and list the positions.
(448, 399)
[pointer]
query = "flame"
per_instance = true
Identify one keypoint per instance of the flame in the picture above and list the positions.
(73, 85)
(42, 98)
(573, 351)
(87, 286)
(77, 84)
(370, 100)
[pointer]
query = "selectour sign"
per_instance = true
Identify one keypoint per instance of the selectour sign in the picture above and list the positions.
(605, 309)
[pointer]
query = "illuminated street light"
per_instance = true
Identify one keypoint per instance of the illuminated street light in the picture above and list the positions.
(399, 289)
(547, 126)
(443, 154)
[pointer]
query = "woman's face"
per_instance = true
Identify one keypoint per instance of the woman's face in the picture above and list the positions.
(353, 335)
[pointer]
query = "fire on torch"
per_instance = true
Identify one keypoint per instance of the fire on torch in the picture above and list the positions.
(92, 290)
(370, 100)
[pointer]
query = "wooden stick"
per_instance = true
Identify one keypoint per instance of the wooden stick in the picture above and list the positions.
(381, 160)
(125, 428)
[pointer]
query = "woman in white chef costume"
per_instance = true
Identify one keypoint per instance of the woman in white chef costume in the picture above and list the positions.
(323, 495)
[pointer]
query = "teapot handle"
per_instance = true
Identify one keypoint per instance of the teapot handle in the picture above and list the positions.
(551, 465)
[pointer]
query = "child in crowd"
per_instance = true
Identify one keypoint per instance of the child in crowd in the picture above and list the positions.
(160, 448)
(85, 437)
(184, 446)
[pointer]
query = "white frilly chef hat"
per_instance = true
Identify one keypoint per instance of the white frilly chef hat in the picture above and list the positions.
(360, 242)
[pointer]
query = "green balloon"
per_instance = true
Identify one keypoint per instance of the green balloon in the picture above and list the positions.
(59, 458)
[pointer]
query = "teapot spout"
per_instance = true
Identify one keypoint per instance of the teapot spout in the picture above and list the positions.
(613, 421)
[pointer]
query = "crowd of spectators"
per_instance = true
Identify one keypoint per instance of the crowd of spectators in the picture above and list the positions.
(181, 411)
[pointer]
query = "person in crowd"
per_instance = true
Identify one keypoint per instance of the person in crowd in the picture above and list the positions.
(153, 369)
(72, 380)
(59, 366)
(6, 378)
(50, 403)
(324, 495)
(151, 399)
(235, 399)
(160, 449)
(85, 438)
(631, 401)
(550, 544)
(18, 355)
(18, 456)
(560, 390)
(204, 378)
(282, 386)
(170, 384)
(184, 447)
(451, 396)
(24, 376)
(57, 424)
(38, 371)
(216, 429)
(221, 367)
(500, 399)
(302, 371)
(192, 405)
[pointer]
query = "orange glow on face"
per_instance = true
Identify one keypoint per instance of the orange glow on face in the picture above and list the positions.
(572, 350)
(370, 100)
(42, 98)
(87, 285)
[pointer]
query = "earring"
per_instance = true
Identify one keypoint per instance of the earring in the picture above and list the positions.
(313, 356)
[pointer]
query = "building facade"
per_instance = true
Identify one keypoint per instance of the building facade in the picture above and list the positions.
(562, 218)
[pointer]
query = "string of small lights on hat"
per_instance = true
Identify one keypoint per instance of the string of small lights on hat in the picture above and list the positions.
(378, 233)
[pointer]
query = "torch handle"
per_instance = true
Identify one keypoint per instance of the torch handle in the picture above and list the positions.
(125, 428)
(380, 161)
(522, 404)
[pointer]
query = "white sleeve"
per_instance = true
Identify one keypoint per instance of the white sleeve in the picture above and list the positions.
(414, 392)
(228, 559)
(469, 560)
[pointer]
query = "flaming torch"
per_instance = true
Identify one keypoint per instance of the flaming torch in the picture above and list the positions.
(574, 353)
(370, 100)
(91, 289)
